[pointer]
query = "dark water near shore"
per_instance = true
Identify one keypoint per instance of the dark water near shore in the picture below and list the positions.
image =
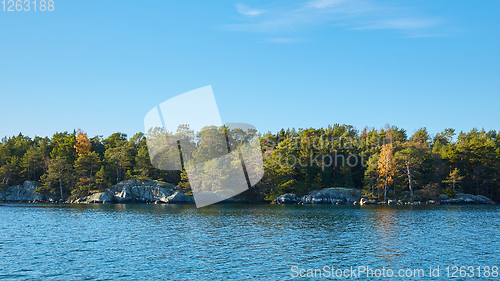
(169, 242)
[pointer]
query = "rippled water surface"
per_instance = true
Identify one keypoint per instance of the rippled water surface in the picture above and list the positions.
(169, 242)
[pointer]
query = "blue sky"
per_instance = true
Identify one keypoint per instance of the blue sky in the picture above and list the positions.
(102, 65)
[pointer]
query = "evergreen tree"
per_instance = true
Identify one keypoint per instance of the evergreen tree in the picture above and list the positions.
(59, 177)
(32, 163)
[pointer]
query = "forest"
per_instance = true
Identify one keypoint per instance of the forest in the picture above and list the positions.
(384, 163)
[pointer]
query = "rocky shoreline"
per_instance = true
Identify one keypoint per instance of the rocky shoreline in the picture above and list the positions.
(335, 196)
(137, 191)
(125, 192)
(157, 192)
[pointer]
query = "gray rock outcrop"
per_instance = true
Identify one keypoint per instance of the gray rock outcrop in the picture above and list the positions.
(324, 196)
(179, 198)
(287, 198)
(140, 191)
(328, 196)
(364, 201)
(25, 192)
(100, 197)
(468, 199)
(443, 197)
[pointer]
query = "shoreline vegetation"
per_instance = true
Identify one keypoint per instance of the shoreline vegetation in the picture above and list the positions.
(143, 191)
(333, 165)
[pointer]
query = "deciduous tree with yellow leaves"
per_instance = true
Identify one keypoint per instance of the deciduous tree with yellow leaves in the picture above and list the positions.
(385, 167)
(82, 144)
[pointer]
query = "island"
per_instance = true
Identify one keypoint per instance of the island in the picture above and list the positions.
(333, 165)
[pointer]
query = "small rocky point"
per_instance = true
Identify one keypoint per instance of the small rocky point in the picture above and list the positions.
(324, 196)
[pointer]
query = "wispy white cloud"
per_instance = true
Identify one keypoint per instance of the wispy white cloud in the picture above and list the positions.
(349, 14)
(247, 11)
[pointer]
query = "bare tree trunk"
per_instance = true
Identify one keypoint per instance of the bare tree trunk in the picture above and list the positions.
(8, 178)
(60, 183)
(386, 175)
(91, 170)
(60, 186)
(409, 180)
(385, 189)
(121, 166)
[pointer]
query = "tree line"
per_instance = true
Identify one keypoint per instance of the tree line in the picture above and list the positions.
(71, 164)
(384, 163)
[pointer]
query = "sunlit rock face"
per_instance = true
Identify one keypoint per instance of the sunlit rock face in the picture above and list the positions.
(100, 197)
(179, 198)
(140, 191)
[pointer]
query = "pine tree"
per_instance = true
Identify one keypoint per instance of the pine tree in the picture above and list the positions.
(59, 175)
(143, 167)
(410, 159)
(85, 168)
(454, 177)
(32, 163)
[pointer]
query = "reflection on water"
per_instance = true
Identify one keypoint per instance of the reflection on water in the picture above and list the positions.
(386, 236)
(178, 242)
